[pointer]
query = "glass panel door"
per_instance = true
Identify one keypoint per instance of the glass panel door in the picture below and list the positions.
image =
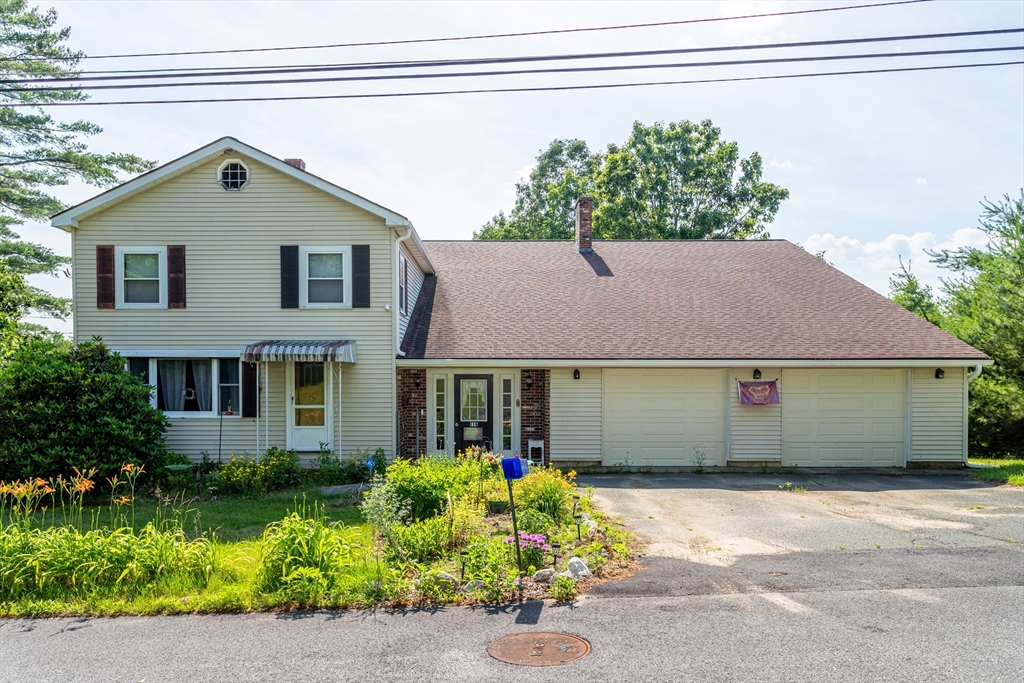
(309, 406)
(473, 426)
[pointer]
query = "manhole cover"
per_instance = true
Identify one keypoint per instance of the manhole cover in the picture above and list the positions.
(539, 648)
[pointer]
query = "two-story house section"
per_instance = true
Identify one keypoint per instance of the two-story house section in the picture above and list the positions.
(263, 304)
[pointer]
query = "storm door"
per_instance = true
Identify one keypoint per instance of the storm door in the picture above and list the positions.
(473, 418)
(308, 413)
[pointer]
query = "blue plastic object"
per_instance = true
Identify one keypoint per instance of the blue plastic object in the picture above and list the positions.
(515, 468)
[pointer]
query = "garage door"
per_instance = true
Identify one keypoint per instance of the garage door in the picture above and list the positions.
(656, 417)
(844, 417)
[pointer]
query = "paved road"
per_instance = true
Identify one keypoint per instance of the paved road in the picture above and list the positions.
(780, 604)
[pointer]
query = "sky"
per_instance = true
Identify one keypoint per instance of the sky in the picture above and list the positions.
(879, 167)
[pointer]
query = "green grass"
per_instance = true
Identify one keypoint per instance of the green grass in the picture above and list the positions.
(1006, 470)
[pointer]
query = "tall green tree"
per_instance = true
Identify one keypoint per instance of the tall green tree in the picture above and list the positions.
(14, 301)
(674, 181)
(983, 304)
(37, 152)
(906, 290)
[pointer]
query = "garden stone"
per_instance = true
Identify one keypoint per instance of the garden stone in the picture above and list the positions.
(565, 574)
(543, 574)
(473, 585)
(593, 528)
(578, 568)
(444, 578)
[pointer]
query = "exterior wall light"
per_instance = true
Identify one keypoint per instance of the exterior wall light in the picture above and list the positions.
(529, 381)
(940, 373)
(757, 374)
(576, 374)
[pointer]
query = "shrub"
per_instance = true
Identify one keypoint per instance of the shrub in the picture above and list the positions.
(304, 554)
(532, 547)
(422, 541)
(534, 522)
(65, 406)
(276, 469)
(563, 589)
(488, 560)
(546, 490)
(383, 508)
(427, 482)
(330, 470)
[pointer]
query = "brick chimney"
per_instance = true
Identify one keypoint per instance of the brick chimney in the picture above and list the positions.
(297, 163)
(584, 208)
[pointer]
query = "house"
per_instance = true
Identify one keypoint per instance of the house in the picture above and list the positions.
(269, 307)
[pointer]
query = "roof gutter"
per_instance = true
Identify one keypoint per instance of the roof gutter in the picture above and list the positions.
(689, 363)
(394, 281)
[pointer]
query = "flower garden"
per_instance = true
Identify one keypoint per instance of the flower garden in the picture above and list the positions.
(431, 531)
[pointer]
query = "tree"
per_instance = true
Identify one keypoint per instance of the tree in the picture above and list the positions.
(14, 300)
(983, 304)
(545, 204)
(675, 181)
(37, 152)
(906, 290)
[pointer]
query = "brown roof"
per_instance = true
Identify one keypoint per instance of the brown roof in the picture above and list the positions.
(659, 300)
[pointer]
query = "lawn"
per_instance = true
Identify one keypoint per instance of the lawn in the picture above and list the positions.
(1004, 470)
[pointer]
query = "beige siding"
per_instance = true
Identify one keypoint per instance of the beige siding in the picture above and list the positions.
(575, 415)
(658, 416)
(232, 244)
(844, 417)
(937, 415)
(415, 285)
(755, 432)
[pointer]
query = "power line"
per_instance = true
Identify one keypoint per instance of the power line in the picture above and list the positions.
(516, 72)
(509, 35)
(283, 98)
(481, 61)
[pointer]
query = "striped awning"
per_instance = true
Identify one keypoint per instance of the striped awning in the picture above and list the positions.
(338, 351)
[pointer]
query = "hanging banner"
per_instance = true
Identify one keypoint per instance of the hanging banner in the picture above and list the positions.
(758, 393)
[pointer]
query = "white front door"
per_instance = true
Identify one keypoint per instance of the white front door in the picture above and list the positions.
(309, 410)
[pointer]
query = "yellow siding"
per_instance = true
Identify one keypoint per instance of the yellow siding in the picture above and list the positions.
(232, 244)
(937, 414)
(755, 432)
(575, 415)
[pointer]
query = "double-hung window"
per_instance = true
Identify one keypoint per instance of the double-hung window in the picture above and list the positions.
(141, 277)
(325, 279)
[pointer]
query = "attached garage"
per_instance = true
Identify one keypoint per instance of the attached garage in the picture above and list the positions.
(844, 417)
(655, 416)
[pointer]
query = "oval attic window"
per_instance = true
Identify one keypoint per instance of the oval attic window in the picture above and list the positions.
(234, 175)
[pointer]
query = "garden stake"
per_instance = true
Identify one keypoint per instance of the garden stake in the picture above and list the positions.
(578, 519)
(515, 538)
(555, 547)
(462, 574)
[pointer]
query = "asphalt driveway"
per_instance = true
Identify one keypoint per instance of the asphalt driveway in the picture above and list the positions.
(739, 533)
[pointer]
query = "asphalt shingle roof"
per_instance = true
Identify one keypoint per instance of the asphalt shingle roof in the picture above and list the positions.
(658, 300)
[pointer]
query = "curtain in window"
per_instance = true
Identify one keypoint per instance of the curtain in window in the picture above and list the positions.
(171, 374)
(202, 372)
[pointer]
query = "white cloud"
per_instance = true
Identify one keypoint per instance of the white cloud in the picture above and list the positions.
(921, 181)
(874, 262)
(781, 164)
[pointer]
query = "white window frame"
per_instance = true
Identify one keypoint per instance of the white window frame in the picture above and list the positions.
(304, 253)
(215, 375)
(248, 175)
(403, 284)
(119, 254)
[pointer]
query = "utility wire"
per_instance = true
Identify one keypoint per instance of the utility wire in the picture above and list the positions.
(515, 72)
(508, 35)
(283, 98)
(483, 61)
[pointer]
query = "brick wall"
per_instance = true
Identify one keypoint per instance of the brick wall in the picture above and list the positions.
(409, 414)
(535, 409)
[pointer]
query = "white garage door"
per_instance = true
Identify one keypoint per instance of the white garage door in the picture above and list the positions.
(844, 417)
(656, 416)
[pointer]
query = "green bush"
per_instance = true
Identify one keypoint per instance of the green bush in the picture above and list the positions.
(426, 483)
(489, 560)
(534, 522)
(275, 470)
(422, 541)
(545, 490)
(65, 407)
(563, 589)
(304, 555)
(330, 470)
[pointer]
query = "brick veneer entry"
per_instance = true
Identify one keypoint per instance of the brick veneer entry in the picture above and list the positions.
(535, 409)
(409, 414)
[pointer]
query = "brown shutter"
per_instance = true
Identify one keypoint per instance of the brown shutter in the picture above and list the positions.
(250, 391)
(176, 276)
(104, 276)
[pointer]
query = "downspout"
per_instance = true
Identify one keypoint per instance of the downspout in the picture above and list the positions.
(973, 374)
(394, 285)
